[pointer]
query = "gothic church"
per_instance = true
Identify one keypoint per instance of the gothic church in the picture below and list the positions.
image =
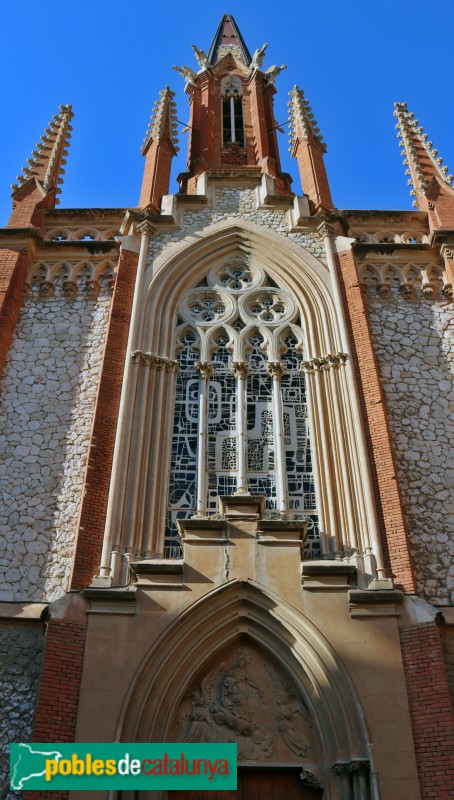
(225, 455)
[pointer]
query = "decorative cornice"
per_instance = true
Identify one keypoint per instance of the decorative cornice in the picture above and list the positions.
(302, 122)
(155, 362)
(163, 120)
(412, 136)
(324, 363)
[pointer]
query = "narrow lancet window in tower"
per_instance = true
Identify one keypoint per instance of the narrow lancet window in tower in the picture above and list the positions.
(232, 111)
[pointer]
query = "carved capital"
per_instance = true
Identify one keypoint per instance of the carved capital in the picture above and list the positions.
(240, 369)
(308, 779)
(276, 369)
(46, 289)
(356, 767)
(152, 361)
(429, 289)
(69, 288)
(384, 290)
(145, 228)
(324, 362)
(92, 289)
(407, 290)
(204, 368)
(325, 230)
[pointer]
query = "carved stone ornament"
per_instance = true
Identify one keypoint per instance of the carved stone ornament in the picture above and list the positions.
(447, 290)
(384, 290)
(240, 369)
(204, 368)
(246, 699)
(92, 289)
(407, 290)
(276, 369)
(308, 779)
(46, 289)
(325, 362)
(155, 362)
(69, 289)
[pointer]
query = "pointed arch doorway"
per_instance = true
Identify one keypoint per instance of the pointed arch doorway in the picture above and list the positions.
(259, 783)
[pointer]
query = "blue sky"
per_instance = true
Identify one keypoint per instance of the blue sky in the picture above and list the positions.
(353, 60)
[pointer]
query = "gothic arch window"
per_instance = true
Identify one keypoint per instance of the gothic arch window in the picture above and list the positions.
(240, 418)
(232, 111)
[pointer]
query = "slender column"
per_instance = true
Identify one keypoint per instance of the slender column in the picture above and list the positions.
(204, 368)
(146, 230)
(240, 369)
(276, 370)
(326, 232)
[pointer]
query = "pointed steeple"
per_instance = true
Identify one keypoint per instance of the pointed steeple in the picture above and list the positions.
(228, 39)
(308, 147)
(423, 164)
(41, 176)
(160, 146)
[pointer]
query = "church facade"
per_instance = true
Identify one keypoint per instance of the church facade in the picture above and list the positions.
(226, 455)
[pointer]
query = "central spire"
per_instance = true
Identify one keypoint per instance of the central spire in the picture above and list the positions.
(227, 40)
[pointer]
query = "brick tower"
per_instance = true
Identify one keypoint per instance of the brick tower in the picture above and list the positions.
(225, 454)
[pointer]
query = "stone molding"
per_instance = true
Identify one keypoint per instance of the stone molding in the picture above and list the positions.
(68, 280)
(411, 280)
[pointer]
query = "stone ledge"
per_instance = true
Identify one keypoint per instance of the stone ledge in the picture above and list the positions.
(281, 533)
(163, 566)
(203, 531)
(374, 596)
(111, 601)
(327, 575)
(22, 611)
(374, 602)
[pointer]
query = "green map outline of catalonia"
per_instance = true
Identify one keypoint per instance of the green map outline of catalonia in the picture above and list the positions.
(53, 754)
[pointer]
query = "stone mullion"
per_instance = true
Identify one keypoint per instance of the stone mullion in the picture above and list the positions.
(276, 370)
(205, 369)
(241, 369)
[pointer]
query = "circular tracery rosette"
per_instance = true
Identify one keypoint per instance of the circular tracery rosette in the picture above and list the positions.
(206, 307)
(236, 277)
(267, 306)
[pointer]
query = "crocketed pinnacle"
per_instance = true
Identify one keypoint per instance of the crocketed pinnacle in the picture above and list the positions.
(302, 122)
(48, 159)
(420, 157)
(163, 120)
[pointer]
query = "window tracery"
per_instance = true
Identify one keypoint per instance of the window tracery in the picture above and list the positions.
(240, 417)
